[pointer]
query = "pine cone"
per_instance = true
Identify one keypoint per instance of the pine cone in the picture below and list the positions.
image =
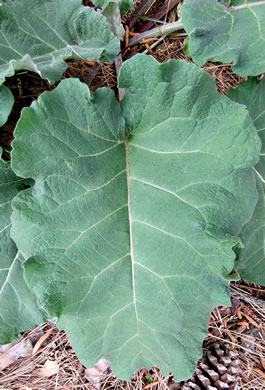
(219, 369)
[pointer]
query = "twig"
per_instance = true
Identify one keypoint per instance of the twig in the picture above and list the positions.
(126, 36)
(247, 298)
(259, 371)
(157, 32)
(155, 43)
(162, 39)
(230, 342)
(150, 385)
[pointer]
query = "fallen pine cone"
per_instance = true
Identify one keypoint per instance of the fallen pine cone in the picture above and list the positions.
(218, 369)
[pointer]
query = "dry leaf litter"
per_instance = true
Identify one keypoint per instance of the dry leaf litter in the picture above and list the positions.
(233, 355)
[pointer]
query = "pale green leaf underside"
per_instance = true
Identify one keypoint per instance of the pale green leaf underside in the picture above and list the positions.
(133, 275)
(18, 306)
(6, 103)
(252, 256)
(40, 35)
(112, 13)
(235, 34)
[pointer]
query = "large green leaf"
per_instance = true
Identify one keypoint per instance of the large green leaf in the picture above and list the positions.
(129, 237)
(252, 257)
(234, 33)
(18, 306)
(6, 103)
(40, 35)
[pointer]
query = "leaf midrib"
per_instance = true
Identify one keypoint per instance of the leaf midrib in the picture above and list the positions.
(130, 221)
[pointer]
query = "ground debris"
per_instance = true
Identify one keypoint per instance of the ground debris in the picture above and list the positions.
(233, 356)
(9, 353)
(95, 374)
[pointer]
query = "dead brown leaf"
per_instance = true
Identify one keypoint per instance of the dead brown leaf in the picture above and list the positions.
(95, 374)
(41, 341)
(9, 353)
(51, 367)
(150, 385)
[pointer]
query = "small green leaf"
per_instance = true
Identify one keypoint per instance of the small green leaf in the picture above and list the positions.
(186, 47)
(229, 32)
(129, 235)
(149, 378)
(252, 256)
(6, 103)
(40, 35)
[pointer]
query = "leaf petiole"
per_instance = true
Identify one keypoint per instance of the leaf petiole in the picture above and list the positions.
(157, 32)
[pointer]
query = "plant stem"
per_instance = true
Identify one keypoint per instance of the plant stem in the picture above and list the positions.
(247, 5)
(118, 64)
(237, 294)
(157, 32)
(161, 39)
(156, 43)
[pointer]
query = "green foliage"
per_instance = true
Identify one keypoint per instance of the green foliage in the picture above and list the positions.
(252, 256)
(149, 378)
(112, 13)
(124, 5)
(6, 103)
(228, 33)
(40, 35)
(128, 235)
(18, 306)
